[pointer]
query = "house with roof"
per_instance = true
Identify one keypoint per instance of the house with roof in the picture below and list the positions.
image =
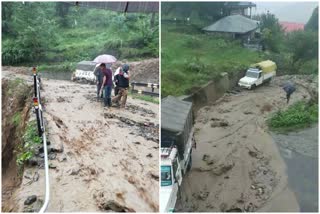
(235, 26)
(243, 8)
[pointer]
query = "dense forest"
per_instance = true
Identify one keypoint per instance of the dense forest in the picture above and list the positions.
(59, 34)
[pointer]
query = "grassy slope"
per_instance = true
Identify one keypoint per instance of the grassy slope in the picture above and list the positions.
(192, 59)
(77, 44)
(299, 115)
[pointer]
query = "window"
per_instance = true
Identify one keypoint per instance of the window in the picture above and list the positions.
(166, 178)
(252, 74)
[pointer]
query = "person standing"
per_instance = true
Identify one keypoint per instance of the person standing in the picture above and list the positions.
(289, 88)
(123, 85)
(98, 74)
(106, 84)
(116, 81)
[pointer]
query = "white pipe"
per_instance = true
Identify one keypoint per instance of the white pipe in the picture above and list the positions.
(46, 167)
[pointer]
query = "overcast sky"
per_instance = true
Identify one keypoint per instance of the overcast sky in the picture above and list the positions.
(287, 11)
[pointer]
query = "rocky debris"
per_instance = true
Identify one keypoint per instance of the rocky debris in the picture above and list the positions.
(216, 122)
(62, 158)
(34, 161)
(234, 210)
(149, 155)
(202, 195)
(34, 207)
(154, 176)
(60, 99)
(250, 207)
(263, 179)
(254, 152)
(52, 166)
(52, 156)
(114, 206)
(266, 108)
(143, 111)
(74, 171)
(148, 130)
(56, 147)
(248, 112)
(223, 168)
(206, 158)
(31, 199)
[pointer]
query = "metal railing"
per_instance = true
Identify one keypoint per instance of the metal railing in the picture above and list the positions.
(149, 85)
(41, 131)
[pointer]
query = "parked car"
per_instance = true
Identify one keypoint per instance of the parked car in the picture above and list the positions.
(84, 72)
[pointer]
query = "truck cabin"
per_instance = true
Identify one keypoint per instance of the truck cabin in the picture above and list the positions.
(254, 73)
(169, 165)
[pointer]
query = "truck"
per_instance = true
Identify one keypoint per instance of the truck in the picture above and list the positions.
(84, 72)
(176, 148)
(258, 74)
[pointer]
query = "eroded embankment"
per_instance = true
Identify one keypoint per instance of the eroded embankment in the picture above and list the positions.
(236, 165)
(15, 114)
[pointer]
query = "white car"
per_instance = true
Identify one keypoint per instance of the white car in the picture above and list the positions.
(85, 72)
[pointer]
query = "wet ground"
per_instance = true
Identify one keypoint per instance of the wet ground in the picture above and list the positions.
(300, 152)
(237, 161)
(56, 75)
(100, 159)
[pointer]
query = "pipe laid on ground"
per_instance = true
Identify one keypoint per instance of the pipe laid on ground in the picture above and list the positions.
(46, 167)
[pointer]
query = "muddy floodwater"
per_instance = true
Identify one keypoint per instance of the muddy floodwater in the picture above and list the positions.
(56, 75)
(300, 153)
(237, 164)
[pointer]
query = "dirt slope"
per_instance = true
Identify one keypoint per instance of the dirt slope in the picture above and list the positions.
(102, 160)
(238, 163)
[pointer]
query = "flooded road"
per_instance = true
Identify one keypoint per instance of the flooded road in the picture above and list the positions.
(238, 161)
(300, 153)
(100, 159)
(56, 75)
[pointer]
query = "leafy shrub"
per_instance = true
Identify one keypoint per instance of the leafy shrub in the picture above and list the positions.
(298, 115)
(30, 138)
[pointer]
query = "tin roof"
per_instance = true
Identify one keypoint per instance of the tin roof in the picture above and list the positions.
(174, 113)
(233, 24)
(291, 26)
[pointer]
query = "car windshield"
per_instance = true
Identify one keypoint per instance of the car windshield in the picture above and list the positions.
(86, 67)
(252, 74)
(166, 179)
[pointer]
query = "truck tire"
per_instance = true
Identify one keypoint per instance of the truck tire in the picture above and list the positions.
(189, 164)
(253, 87)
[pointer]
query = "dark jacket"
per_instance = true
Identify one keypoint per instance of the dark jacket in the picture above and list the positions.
(122, 81)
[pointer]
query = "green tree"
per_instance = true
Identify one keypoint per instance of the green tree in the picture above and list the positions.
(272, 32)
(303, 45)
(32, 31)
(313, 21)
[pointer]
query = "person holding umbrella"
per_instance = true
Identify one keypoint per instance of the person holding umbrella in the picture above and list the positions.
(289, 88)
(107, 76)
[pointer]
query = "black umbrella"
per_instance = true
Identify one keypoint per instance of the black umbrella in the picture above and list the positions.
(289, 88)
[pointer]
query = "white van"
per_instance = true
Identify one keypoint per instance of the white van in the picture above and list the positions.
(85, 72)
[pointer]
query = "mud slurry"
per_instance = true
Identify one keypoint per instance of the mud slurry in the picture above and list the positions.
(100, 163)
(236, 165)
